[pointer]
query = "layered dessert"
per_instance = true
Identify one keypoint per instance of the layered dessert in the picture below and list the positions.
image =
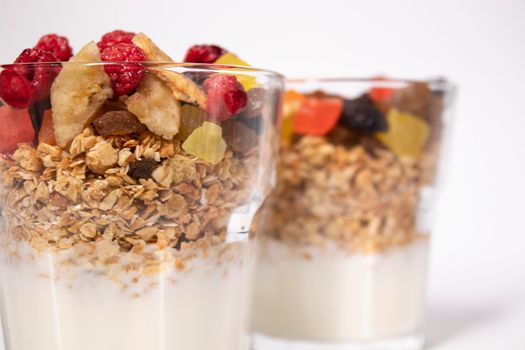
(127, 187)
(345, 248)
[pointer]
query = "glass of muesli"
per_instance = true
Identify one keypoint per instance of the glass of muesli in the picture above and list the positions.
(344, 253)
(125, 219)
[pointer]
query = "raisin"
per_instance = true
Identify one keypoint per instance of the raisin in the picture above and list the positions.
(239, 137)
(361, 114)
(118, 123)
(142, 169)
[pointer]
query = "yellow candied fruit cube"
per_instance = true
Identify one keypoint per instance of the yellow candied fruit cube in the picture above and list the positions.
(407, 134)
(246, 81)
(206, 143)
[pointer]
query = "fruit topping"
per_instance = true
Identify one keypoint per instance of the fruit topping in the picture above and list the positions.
(118, 123)
(58, 45)
(239, 137)
(115, 37)
(47, 131)
(17, 128)
(362, 114)
(407, 134)
(226, 96)
(381, 93)
(15, 89)
(317, 115)
(152, 51)
(292, 102)
(77, 94)
(247, 81)
(206, 143)
(204, 53)
(142, 169)
(124, 77)
(192, 117)
(415, 98)
(182, 87)
(256, 99)
(156, 107)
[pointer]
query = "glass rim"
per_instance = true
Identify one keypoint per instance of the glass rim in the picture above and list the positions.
(156, 64)
(439, 83)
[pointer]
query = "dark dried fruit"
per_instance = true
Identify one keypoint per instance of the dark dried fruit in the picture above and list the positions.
(361, 114)
(239, 137)
(118, 123)
(142, 169)
(191, 118)
(256, 100)
(415, 99)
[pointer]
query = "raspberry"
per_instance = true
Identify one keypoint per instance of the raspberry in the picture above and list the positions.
(59, 45)
(124, 77)
(115, 37)
(226, 96)
(15, 90)
(204, 53)
(21, 84)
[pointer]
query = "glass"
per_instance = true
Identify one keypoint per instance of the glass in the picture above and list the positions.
(124, 220)
(344, 252)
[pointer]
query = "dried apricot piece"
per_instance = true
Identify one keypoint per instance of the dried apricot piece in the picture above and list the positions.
(407, 134)
(317, 115)
(47, 130)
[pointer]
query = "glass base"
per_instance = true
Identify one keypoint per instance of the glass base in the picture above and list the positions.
(412, 341)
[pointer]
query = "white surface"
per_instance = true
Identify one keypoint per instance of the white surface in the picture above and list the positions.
(336, 296)
(477, 291)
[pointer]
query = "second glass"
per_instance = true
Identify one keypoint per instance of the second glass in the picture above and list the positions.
(344, 252)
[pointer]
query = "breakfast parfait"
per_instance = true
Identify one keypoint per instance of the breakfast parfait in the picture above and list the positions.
(344, 254)
(128, 184)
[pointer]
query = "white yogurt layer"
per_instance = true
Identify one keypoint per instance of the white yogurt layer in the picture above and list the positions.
(203, 307)
(336, 296)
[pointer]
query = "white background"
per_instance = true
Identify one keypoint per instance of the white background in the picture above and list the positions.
(477, 287)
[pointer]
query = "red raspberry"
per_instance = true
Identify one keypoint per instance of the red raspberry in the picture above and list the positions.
(124, 77)
(226, 96)
(115, 37)
(59, 45)
(15, 90)
(22, 84)
(204, 53)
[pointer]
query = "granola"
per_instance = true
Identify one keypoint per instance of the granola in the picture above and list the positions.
(350, 172)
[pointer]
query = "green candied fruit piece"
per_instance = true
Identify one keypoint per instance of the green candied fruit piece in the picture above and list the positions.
(407, 134)
(206, 143)
(191, 118)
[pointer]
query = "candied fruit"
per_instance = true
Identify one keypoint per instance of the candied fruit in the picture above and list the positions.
(206, 143)
(381, 93)
(292, 103)
(17, 128)
(230, 59)
(118, 123)
(191, 118)
(239, 137)
(47, 130)
(317, 115)
(361, 114)
(415, 99)
(407, 134)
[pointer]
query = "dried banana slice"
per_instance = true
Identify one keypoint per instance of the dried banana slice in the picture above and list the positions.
(156, 107)
(184, 89)
(77, 93)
